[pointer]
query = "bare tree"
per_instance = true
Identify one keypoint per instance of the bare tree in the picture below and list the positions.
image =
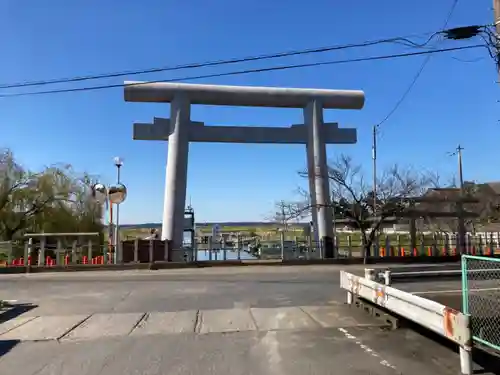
(354, 197)
(285, 212)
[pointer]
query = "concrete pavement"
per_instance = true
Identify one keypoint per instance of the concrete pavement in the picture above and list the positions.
(98, 326)
(269, 320)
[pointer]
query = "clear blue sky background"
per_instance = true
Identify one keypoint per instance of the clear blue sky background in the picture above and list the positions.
(453, 101)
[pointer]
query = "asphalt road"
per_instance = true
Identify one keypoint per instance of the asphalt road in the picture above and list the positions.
(242, 320)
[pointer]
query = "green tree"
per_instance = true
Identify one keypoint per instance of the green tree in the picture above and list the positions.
(55, 199)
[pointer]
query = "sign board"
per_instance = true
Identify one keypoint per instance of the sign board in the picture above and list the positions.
(215, 230)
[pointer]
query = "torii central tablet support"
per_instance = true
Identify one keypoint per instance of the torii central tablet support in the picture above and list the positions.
(179, 130)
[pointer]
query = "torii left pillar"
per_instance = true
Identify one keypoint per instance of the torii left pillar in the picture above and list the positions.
(176, 171)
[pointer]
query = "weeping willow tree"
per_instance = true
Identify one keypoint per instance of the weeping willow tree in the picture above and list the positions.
(55, 199)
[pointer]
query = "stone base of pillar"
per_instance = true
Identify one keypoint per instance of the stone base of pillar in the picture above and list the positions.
(328, 247)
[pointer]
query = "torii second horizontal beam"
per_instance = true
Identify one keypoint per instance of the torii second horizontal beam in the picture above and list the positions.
(198, 132)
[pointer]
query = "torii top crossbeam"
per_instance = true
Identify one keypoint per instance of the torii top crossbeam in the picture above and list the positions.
(242, 95)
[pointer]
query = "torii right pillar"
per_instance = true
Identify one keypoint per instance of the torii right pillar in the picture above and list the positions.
(318, 177)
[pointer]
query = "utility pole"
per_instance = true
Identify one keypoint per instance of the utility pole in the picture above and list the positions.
(374, 189)
(460, 206)
(460, 169)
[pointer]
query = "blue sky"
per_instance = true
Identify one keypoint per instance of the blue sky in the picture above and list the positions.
(453, 101)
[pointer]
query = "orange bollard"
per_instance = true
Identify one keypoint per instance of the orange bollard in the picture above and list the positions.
(402, 254)
(429, 251)
(382, 252)
(85, 259)
(415, 252)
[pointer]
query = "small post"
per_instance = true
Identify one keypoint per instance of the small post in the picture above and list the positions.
(349, 246)
(209, 248)
(166, 251)
(282, 245)
(310, 244)
(387, 277)
(350, 298)
(105, 250)
(370, 274)
(223, 248)
(73, 251)
(59, 250)
(466, 350)
(151, 244)
(9, 255)
(136, 250)
(41, 254)
(239, 246)
(27, 249)
(89, 250)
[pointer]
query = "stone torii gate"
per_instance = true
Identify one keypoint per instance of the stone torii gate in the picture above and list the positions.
(179, 130)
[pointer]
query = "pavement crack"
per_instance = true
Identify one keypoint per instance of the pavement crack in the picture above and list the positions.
(198, 321)
(253, 319)
(73, 328)
(144, 317)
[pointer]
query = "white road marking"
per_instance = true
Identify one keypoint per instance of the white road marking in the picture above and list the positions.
(366, 348)
(271, 343)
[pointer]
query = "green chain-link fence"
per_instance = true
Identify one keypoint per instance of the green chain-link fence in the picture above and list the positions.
(481, 298)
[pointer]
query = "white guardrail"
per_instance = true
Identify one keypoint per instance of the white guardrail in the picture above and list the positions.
(432, 315)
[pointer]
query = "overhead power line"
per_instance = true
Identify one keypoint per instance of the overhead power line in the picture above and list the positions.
(398, 40)
(249, 71)
(419, 72)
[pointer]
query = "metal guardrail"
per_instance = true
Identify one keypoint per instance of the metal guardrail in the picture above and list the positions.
(441, 319)
(481, 298)
(389, 276)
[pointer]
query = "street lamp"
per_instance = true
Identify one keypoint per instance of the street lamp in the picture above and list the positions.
(117, 196)
(109, 195)
(118, 164)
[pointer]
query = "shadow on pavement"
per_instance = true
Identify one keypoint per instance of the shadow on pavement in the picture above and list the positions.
(488, 361)
(485, 362)
(13, 311)
(7, 345)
